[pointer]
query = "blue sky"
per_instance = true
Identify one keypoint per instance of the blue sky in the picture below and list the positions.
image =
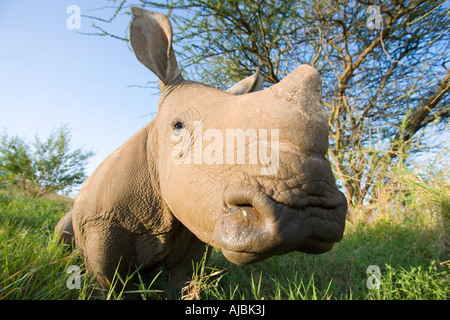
(50, 75)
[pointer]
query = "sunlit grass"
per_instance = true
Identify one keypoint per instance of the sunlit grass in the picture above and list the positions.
(406, 237)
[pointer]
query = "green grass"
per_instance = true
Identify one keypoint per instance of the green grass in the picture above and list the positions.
(32, 263)
(411, 267)
(406, 237)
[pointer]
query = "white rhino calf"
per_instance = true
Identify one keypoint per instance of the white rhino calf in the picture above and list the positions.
(243, 171)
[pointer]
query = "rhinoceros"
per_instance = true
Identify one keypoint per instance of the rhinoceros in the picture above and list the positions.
(242, 170)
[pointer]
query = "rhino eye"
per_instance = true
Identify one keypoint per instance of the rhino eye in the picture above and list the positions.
(177, 127)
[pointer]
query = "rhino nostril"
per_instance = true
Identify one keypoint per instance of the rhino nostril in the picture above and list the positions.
(236, 206)
(243, 205)
(241, 219)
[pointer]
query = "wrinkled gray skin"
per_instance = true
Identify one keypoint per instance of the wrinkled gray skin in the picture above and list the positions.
(143, 208)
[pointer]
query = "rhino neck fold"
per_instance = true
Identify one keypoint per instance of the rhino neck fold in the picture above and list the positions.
(167, 89)
(160, 219)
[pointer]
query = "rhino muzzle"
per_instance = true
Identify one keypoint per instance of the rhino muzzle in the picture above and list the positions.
(253, 226)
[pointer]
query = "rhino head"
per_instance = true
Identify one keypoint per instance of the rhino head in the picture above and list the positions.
(245, 170)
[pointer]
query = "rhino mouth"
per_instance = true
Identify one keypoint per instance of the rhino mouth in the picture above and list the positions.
(254, 226)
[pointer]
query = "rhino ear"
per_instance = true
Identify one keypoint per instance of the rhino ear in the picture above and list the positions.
(151, 40)
(249, 84)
